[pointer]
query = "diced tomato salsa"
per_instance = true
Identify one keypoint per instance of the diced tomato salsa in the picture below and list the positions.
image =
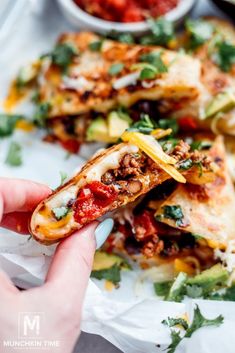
(92, 201)
(126, 10)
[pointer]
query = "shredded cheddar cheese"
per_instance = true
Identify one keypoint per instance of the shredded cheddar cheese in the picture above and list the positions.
(153, 149)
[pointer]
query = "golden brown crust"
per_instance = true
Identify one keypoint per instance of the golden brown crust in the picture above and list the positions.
(96, 88)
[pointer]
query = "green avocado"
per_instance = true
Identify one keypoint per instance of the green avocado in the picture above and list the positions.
(98, 131)
(103, 260)
(108, 266)
(222, 102)
(209, 279)
(117, 124)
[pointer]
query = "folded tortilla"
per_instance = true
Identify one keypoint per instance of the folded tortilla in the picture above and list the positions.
(88, 84)
(114, 178)
(208, 210)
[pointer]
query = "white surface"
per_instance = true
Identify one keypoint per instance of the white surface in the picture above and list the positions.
(133, 325)
(79, 18)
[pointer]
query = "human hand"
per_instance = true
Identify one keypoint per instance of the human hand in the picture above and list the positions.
(60, 298)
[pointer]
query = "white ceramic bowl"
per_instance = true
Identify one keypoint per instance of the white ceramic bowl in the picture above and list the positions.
(81, 19)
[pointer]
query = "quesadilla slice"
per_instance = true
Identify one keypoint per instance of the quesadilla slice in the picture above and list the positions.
(179, 223)
(87, 76)
(212, 41)
(208, 210)
(114, 178)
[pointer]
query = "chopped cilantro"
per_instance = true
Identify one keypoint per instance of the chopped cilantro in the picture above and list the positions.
(199, 31)
(169, 124)
(154, 58)
(162, 288)
(116, 68)
(8, 123)
(173, 212)
(224, 57)
(112, 274)
(169, 144)
(194, 291)
(175, 340)
(200, 145)
(14, 157)
(200, 321)
(186, 164)
(63, 55)
(60, 212)
(122, 37)
(41, 114)
(148, 72)
(96, 46)
(162, 32)
(145, 125)
(170, 322)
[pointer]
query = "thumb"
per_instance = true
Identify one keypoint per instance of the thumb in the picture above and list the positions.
(72, 263)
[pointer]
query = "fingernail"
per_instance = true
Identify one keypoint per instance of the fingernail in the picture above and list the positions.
(102, 232)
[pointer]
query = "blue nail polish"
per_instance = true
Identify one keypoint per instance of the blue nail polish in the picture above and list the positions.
(102, 232)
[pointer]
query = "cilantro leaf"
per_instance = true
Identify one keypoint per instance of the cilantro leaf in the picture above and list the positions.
(173, 212)
(200, 321)
(63, 55)
(162, 32)
(169, 124)
(148, 73)
(116, 68)
(14, 157)
(200, 145)
(169, 144)
(175, 340)
(8, 123)
(41, 114)
(170, 322)
(154, 58)
(96, 46)
(144, 125)
(122, 37)
(199, 31)
(112, 274)
(60, 212)
(162, 288)
(186, 164)
(194, 291)
(225, 55)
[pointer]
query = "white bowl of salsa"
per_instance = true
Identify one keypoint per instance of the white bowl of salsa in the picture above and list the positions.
(82, 19)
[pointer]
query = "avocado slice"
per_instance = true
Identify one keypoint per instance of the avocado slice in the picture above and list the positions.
(117, 124)
(108, 266)
(209, 279)
(176, 291)
(98, 131)
(103, 260)
(222, 102)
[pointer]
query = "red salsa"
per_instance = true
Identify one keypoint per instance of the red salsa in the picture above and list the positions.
(92, 201)
(126, 10)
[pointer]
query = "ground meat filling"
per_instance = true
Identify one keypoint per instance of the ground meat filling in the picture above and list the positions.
(150, 237)
(126, 177)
